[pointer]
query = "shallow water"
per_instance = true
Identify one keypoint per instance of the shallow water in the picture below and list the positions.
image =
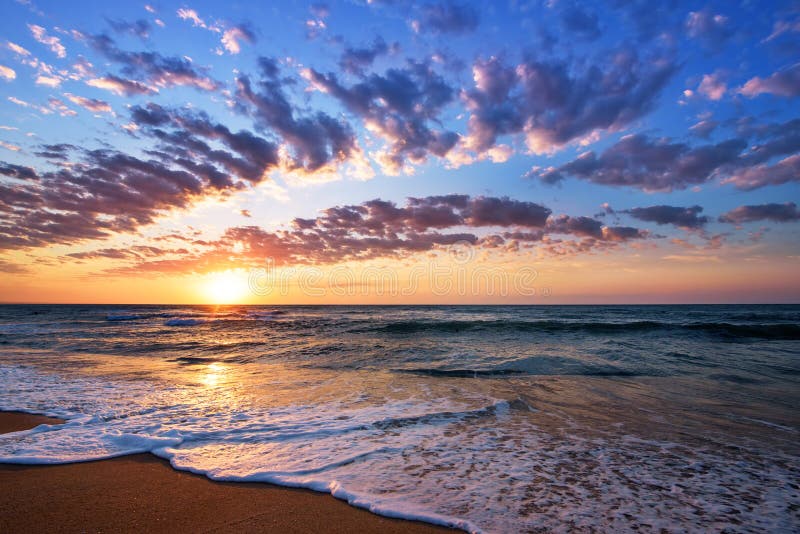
(492, 419)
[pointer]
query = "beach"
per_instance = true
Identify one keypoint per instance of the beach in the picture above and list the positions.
(142, 493)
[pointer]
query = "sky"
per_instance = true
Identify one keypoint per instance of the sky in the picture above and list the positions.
(400, 152)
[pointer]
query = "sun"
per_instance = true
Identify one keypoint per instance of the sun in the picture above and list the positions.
(226, 287)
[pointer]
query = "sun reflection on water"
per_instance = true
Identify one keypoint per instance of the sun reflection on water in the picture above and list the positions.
(214, 374)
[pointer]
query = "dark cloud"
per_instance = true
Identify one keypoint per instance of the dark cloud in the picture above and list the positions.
(704, 128)
(355, 60)
(399, 106)
(184, 135)
(102, 192)
(785, 82)
(20, 172)
(318, 141)
(784, 171)
(449, 17)
(579, 226)
(688, 218)
(712, 29)
(650, 18)
(555, 102)
(787, 212)
(382, 229)
(136, 252)
(140, 28)
(580, 22)
(772, 140)
(647, 164)
(152, 68)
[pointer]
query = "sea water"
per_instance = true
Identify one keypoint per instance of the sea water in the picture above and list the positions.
(495, 419)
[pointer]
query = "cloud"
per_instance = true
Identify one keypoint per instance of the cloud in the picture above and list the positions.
(9, 146)
(582, 23)
(398, 106)
(7, 73)
(647, 164)
(355, 60)
(232, 36)
(554, 103)
(320, 10)
(317, 142)
(184, 137)
(41, 109)
(92, 104)
(140, 28)
(8, 267)
(191, 15)
(449, 17)
(712, 29)
(787, 212)
(17, 49)
(20, 172)
(704, 128)
(93, 194)
(687, 218)
(54, 43)
(785, 82)
(152, 68)
(49, 81)
(712, 86)
(749, 178)
(136, 252)
(100, 193)
(382, 229)
(120, 86)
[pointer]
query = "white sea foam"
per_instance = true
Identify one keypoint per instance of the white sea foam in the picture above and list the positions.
(467, 460)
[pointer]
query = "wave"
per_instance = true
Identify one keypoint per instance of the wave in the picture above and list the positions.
(124, 317)
(183, 322)
(463, 373)
(779, 331)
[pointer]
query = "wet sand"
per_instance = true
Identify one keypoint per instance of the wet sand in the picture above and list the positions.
(143, 493)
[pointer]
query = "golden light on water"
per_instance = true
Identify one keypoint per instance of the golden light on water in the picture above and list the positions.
(213, 374)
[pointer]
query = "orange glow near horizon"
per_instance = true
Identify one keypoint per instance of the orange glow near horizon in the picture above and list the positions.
(611, 278)
(226, 287)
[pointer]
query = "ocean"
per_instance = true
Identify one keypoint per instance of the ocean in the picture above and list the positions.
(486, 418)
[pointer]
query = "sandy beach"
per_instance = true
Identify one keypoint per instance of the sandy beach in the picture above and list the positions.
(143, 493)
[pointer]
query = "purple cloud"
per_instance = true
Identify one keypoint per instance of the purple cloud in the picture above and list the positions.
(152, 68)
(787, 212)
(382, 229)
(687, 218)
(318, 141)
(553, 103)
(449, 17)
(355, 60)
(785, 82)
(399, 106)
(647, 164)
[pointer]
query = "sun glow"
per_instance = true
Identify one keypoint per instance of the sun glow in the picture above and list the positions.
(227, 287)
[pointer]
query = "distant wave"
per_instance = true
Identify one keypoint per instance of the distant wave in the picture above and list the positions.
(123, 317)
(463, 373)
(568, 367)
(184, 322)
(764, 331)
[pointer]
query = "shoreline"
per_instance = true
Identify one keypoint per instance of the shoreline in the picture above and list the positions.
(142, 492)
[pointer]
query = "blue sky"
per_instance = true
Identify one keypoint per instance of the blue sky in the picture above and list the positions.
(124, 123)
